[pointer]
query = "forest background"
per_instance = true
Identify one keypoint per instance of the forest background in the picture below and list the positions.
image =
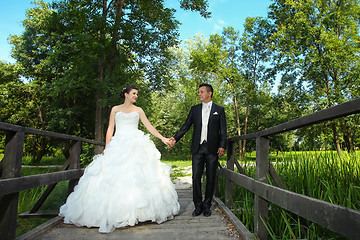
(74, 57)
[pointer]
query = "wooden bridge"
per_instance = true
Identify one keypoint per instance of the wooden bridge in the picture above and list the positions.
(339, 219)
(183, 226)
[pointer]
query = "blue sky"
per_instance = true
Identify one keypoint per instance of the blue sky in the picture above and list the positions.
(225, 13)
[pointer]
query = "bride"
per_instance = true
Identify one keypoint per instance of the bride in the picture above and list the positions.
(126, 184)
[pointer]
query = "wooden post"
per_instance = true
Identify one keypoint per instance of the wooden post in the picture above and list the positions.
(229, 187)
(217, 189)
(74, 163)
(261, 174)
(11, 168)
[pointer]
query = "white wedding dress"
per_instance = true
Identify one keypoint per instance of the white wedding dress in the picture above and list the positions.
(125, 185)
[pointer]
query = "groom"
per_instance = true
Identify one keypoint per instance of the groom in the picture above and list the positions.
(208, 144)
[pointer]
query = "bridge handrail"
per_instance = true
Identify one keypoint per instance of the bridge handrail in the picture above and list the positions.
(341, 110)
(11, 181)
(17, 128)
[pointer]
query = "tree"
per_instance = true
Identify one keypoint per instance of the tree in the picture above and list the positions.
(255, 63)
(320, 40)
(86, 51)
(238, 65)
(11, 94)
(21, 104)
(233, 76)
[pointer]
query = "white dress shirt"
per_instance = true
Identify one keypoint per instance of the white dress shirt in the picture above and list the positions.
(206, 107)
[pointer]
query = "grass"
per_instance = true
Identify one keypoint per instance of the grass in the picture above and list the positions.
(58, 159)
(28, 198)
(178, 168)
(321, 175)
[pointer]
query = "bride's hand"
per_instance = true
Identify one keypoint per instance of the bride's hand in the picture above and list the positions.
(167, 142)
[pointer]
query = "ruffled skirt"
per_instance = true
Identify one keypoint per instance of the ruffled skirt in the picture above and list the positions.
(125, 185)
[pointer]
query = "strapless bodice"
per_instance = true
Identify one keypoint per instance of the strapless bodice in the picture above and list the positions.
(126, 122)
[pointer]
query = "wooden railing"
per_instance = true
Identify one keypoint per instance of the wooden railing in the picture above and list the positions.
(11, 181)
(339, 219)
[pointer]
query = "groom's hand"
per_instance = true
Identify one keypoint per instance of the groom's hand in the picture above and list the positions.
(221, 152)
(173, 141)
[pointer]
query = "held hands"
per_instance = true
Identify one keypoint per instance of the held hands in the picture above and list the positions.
(166, 141)
(173, 141)
(169, 141)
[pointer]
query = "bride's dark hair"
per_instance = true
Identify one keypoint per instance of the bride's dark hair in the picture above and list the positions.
(127, 90)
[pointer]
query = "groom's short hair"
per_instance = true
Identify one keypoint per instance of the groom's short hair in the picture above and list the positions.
(209, 88)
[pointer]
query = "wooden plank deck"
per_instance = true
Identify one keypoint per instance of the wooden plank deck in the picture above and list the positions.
(183, 226)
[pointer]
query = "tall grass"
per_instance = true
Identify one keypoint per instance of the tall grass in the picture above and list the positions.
(28, 198)
(57, 159)
(321, 175)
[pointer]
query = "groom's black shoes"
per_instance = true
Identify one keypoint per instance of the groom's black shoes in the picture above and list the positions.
(201, 208)
(207, 212)
(198, 209)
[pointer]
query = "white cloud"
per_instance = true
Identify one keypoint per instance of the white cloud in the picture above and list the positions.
(217, 27)
(221, 22)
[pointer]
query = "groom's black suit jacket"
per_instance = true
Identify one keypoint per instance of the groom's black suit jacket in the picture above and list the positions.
(216, 128)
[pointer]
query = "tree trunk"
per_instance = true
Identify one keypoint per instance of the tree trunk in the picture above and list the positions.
(40, 150)
(99, 115)
(237, 116)
(238, 122)
(99, 126)
(336, 138)
(245, 129)
(347, 137)
(66, 149)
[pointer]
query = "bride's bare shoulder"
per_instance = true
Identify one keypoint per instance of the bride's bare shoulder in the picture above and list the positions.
(138, 109)
(117, 108)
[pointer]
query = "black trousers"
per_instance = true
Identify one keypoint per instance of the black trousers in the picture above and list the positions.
(199, 160)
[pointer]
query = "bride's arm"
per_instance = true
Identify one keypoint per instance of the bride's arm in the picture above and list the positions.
(110, 129)
(150, 127)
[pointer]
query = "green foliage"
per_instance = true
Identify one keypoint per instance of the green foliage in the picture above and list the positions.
(8, 73)
(76, 56)
(321, 40)
(87, 154)
(317, 49)
(48, 160)
(59, 54)
(196, 5)
(16, 105)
